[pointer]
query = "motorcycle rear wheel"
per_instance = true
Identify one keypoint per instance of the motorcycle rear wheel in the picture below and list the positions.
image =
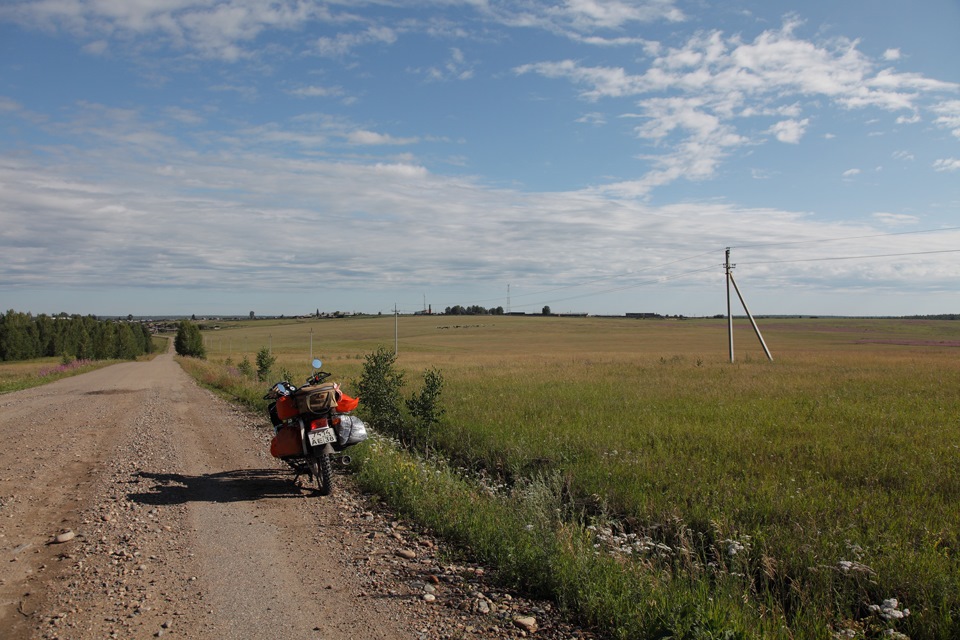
(325, 474)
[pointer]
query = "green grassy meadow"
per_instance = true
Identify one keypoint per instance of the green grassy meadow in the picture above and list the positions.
(25, 374)
(815, 496)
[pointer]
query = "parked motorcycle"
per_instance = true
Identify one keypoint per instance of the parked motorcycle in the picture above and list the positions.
(311, 424)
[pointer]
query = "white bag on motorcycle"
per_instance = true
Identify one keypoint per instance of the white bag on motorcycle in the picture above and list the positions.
(351, 430)
(316, 398)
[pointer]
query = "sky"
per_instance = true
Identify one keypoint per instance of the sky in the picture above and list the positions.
(216, 157)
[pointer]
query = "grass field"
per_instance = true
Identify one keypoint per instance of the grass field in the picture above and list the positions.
(33, 373)
(679, 494)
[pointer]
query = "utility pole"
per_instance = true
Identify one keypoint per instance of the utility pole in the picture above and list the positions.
(396, 330)
(756, 329)
(729, 314)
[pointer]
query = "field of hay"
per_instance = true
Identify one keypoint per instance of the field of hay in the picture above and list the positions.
(814, 496)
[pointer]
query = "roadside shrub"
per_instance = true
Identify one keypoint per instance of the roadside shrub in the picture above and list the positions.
(265, 362)
(380, 386)
(245, 368)
(189, 341)
(425, 408)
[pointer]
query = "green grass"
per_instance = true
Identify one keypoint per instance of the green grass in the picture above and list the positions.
(758, 499)
(26, 374)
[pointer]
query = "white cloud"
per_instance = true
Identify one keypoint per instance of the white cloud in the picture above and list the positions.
(948, 116)
(96, 48)
(587, 15)
(580, 20)
(594, 117)
(947, 164)
(895, 219)
(362, 137)
(891, 54)
(849, 173)
(217, 29)
(314, 91)
(903, 155)
(219, 211)
(455, 68)
(721, 79)
(402, 170)
(790, 131)
(344, 43)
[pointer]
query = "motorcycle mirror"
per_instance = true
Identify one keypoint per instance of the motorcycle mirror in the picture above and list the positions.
(316, 363)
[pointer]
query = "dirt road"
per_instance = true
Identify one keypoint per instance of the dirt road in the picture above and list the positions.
(183, 526)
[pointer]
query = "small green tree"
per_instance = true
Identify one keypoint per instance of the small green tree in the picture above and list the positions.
(546, 310)
(379, 387)
(189, 341)
(425, 407)
(245, 368)
(265, 362)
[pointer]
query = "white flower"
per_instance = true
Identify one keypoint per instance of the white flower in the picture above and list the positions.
(890, 610)
(734, 547)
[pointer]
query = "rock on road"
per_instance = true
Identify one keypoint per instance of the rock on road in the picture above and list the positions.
(173, 520)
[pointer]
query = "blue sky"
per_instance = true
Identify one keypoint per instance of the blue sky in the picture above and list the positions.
(221, 156)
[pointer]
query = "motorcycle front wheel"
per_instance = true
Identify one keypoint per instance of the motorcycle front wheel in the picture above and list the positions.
(324, 475)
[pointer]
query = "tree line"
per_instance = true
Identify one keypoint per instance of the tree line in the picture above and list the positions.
(24, 336)
(473, 310)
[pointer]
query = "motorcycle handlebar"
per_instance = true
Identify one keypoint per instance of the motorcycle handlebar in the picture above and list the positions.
(319, 376)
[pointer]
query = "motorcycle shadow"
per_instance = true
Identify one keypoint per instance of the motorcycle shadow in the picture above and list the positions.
(242, 485)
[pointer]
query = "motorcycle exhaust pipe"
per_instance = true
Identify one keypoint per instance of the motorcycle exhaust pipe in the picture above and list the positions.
(345, 460)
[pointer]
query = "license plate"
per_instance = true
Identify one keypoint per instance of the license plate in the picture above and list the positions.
(320, 437)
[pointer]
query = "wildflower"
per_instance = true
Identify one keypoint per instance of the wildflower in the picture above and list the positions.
(734, 547)
(847, 566)
(890, 610)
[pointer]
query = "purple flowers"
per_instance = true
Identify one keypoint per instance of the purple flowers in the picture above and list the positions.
(61, 368)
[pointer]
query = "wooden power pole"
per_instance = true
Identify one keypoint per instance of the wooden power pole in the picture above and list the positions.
(729, 269)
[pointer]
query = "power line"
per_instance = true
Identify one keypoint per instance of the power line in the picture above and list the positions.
(879, 255)
(879, 235)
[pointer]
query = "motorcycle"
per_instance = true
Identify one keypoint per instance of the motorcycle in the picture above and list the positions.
(312, 424)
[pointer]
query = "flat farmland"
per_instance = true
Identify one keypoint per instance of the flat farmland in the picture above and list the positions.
(814, 496)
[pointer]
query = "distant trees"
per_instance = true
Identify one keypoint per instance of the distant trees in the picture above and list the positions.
(189, 341)
(474, 310)
(546, 310)
(24, 336)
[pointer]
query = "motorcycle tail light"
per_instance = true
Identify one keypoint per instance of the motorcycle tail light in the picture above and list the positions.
(320, 423)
